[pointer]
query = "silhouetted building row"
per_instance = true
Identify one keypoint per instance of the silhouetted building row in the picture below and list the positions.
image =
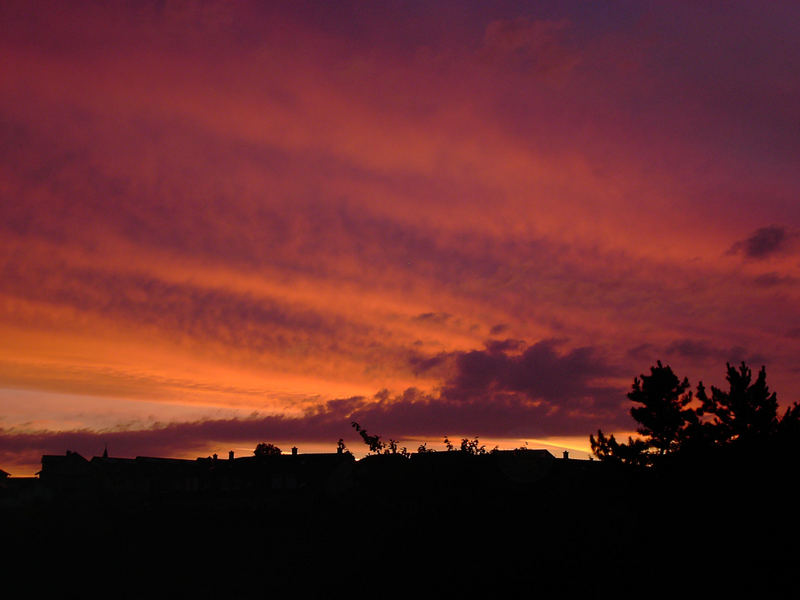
(71, 474)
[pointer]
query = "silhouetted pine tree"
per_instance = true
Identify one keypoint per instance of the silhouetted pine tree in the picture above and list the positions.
(663, 418)
(746, 414)
(746, 411)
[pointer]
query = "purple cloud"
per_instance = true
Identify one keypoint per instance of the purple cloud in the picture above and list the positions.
(763, 243)
(537, 372)
(703, 350)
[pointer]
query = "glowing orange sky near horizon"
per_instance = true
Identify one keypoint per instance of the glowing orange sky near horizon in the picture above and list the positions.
(210, 211)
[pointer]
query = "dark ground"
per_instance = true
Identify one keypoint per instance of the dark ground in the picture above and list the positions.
(711, 528)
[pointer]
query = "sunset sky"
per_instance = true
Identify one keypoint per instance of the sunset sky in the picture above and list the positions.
(230, 222)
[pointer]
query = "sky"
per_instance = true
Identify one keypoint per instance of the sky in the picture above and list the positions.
(230, 222)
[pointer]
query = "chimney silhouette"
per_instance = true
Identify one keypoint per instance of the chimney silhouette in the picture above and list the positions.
(230, 455)
(294, 450)
(566, 454)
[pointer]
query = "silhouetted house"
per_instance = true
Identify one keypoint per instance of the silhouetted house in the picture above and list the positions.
(72, 474)
(3, 480)
(572, 472)
(20, 491)
(144, 474)
(384, 470)
(524, 466)
(281, 473)
(66, 473)
(170, 474)
(116, 474)
(330, 472)
(498, 467)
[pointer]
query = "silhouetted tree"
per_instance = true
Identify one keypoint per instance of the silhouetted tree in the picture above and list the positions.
(265, 449)
(663, 416)
(663, 419)
(748, 411)
(789, 425)
(372, 441)
(448, 444)
(609, 450)
(393, 448)
(472, 446)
